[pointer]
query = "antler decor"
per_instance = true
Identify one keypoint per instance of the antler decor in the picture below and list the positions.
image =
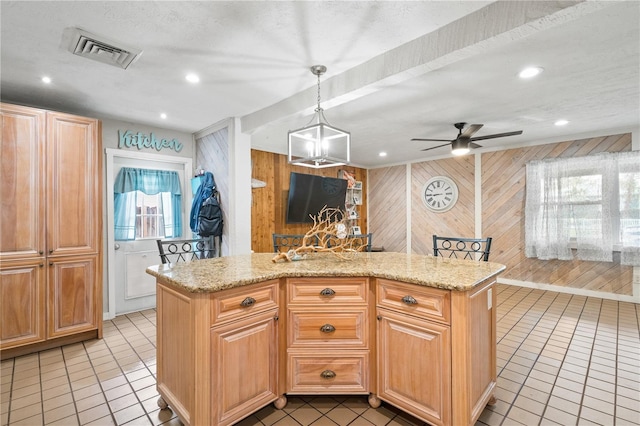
(328, 234)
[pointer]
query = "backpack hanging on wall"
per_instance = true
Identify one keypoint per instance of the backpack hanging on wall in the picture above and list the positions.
(210, 217)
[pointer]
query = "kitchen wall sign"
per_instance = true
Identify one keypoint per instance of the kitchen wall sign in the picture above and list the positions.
(129, 139)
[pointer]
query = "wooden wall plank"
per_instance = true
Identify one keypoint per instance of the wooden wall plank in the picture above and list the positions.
(387, 211)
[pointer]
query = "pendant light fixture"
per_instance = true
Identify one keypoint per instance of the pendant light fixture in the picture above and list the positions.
(319, 144)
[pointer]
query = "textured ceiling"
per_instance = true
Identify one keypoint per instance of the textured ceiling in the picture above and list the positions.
(396, 70)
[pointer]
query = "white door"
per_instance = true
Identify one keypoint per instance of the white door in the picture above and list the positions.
(130, 287)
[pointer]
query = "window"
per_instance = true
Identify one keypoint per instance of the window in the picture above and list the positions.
(147, 204)
(590, 204)
(150, 215)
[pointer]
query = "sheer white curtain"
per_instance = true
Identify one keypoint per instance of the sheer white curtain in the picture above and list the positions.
(580, 202)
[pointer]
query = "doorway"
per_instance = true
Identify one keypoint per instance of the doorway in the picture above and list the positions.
(129, 287)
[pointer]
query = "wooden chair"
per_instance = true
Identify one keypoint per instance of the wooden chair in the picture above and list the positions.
(462, 248)
(175, 251)
(285, 242)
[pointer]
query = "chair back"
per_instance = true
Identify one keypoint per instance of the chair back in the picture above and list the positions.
(286, 242)
(462, 248)
(358, 240)
(175, 251)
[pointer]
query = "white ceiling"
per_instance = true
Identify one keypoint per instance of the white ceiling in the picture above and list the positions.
(396, 70)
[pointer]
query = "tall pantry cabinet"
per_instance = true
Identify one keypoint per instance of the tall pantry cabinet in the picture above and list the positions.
(51, 229)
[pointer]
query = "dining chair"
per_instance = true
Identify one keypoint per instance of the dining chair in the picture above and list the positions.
(462, 248)
(288, 241)
(175, 251)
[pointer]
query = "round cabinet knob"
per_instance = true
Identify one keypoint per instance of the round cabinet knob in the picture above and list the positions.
(409, 300)
(328, 374)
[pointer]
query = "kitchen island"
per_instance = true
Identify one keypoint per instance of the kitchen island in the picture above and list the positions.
(237, 333)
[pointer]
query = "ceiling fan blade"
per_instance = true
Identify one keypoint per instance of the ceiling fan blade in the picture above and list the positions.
(431, 140)
(472, 129)
(434, 147)
(474, 145)
(497, 135)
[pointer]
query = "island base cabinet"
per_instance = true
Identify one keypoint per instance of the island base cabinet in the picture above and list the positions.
(245, 354)
(414, 366)
(214, 371)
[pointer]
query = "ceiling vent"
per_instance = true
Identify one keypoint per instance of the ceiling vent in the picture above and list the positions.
(85, 44)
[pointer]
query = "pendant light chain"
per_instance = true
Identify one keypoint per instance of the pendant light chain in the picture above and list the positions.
(318, 109)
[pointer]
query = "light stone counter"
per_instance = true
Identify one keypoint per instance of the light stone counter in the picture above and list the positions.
(211, 275)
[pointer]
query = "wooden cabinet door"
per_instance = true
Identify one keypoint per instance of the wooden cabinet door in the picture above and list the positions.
(73, 179)
(22, 301)
(72, 297)
(244, 367)
(414, 366)
(22, 193)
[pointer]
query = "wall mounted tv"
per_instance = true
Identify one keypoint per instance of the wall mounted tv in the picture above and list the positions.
(308, 194)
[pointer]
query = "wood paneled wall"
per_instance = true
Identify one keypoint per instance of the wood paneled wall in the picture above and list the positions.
(459, 221)
(388, 208)
(502, 216)
(503, 197)
(269, 204)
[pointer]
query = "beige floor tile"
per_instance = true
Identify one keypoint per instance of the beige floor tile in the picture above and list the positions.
(94, 413)
(25, 412)
(60, 412)
(25, 401)
(122, 402)
(90, 402)
(342, 415)
(305, 414)
(130, 413)
(67, 421)
(57, 401)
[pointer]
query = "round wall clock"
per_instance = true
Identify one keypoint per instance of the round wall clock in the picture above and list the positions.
(439, 194)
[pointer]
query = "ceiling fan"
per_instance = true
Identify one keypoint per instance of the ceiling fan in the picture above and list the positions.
(464, 141)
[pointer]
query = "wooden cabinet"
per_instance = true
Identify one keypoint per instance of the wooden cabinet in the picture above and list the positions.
(244, 356)
(436, 350)
(51, 196)
(328, 336)
(22, 291)
(414, 357)
(218, 357)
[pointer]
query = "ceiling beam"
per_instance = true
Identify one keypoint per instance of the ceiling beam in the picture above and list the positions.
(495, 25)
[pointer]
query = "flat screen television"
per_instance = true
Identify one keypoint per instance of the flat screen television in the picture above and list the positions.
(308, 194)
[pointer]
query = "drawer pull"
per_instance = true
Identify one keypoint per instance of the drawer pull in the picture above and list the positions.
(328, 374)
(409, 300)
(327, 292)
(327, 328)
(249, 301)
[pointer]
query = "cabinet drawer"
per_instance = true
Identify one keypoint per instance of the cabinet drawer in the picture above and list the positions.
(426, 302)
(327, 290)
(345, 328)
(328, 374)
(238, 302)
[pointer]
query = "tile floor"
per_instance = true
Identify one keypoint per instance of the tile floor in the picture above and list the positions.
(562, 360)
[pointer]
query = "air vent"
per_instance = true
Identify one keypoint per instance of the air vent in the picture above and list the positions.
(100, 49)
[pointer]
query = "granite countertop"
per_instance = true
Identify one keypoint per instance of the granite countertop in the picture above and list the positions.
(210, 275)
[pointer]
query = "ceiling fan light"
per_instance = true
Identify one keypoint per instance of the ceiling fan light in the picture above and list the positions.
(459, 147)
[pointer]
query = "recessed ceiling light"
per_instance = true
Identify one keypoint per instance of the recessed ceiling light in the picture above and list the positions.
(163, 116)
(530, 72)
(561, 122)
(192, 78)
(46, 79)
(382, 154)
